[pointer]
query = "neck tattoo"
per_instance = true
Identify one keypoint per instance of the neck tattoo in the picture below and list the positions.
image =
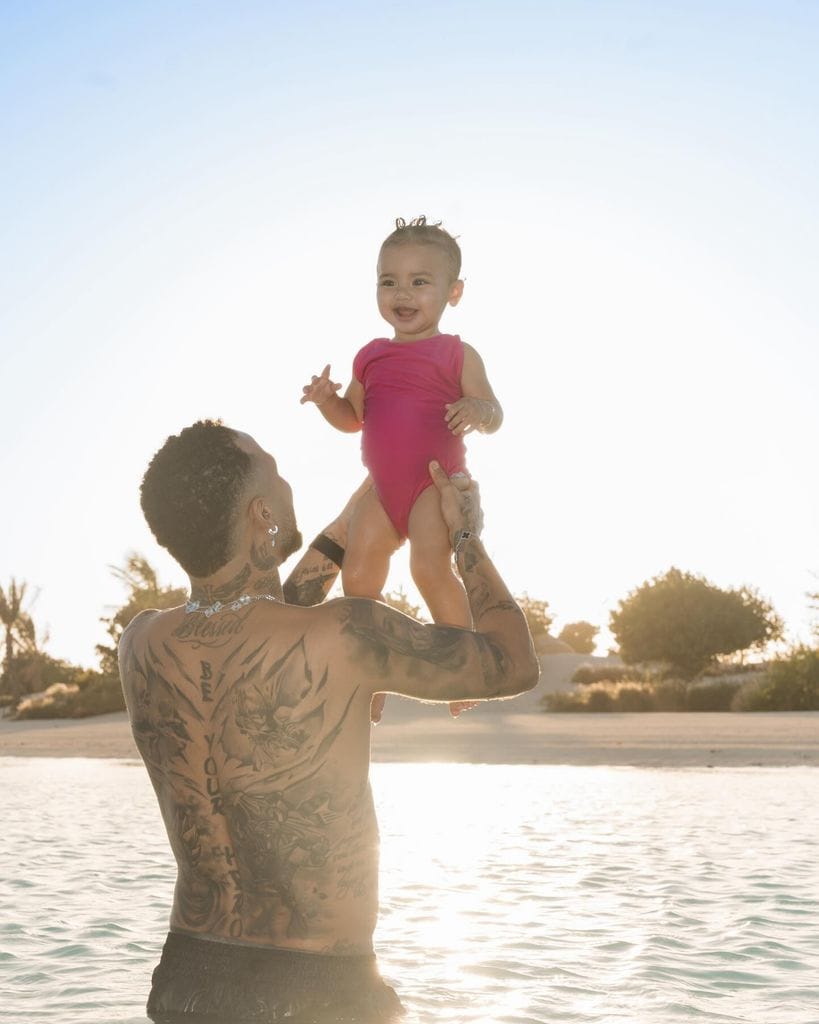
(227, 606)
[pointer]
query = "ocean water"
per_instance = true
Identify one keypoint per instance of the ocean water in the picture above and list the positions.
(510, 894)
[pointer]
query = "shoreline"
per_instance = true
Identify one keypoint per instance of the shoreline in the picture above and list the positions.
(515, 731)
(497, 734)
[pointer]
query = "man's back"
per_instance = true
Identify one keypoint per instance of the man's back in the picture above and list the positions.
(258, 749)
(253, 720)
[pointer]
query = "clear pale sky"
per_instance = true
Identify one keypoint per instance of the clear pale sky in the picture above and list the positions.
(192, 196)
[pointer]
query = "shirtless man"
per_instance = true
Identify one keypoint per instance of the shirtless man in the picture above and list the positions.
(251, 709)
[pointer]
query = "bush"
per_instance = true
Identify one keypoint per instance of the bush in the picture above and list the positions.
(788, 684)
(585, 675)
(711, 696)
(732, 668)
(634, 698)
(631, 696)
(563, 702)
(46, 684)
(599, 699)
(92, 693)
(670, 695)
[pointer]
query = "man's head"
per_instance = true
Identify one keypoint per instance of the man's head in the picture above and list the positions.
(208, 491)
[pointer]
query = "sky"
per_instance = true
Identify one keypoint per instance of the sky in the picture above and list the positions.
(192, 198)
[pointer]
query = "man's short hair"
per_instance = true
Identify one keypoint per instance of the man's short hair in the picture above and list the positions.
(190, 495)
(418, 232)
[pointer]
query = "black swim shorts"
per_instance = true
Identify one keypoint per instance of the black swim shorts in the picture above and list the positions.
(228, 983)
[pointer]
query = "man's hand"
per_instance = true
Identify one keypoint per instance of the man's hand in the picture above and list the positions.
(460, 502)
(468, 414)
(320, 388)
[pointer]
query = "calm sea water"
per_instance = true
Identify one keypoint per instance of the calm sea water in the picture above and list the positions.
(510, 895)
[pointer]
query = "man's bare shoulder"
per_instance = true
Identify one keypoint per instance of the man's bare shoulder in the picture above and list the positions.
(328, 623)
(140, 625)
(356, 634)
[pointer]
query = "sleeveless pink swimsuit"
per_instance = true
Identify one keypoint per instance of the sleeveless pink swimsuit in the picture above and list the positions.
(406, 386)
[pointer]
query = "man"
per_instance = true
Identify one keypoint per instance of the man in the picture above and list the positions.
(253, 718)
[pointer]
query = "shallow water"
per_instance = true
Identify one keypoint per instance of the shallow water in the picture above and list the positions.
(510, 894)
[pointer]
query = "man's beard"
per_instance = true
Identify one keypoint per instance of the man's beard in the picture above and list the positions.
(268, 556)
(290, 543)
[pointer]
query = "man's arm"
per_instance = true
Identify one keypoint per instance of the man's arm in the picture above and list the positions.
(394, 653)
(319, 566)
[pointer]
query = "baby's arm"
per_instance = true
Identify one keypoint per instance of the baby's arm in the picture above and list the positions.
(479, 409)
(343, 413)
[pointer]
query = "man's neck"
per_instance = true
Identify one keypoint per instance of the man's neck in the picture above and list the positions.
(248, 575)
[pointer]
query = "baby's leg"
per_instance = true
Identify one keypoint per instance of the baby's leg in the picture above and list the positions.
(431, 562)
(431, 567)
(371, 541)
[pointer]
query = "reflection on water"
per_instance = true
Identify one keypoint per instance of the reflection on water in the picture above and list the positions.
(510, 895)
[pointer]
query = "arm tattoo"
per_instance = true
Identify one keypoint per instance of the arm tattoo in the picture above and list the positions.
(310, 585)
(383, 632)
(494, 662)
(479, 592)
(472, 557)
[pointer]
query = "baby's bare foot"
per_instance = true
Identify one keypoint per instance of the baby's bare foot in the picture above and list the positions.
(377, 707)
(457, 706)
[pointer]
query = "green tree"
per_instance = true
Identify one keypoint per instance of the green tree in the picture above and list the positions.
(790, 683)
(399, 599)
(143, 592)
(537, 615)
(686, 622)
(580, 636)
(20, 636)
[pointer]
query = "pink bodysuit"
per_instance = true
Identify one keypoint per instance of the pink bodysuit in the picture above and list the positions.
(406, 387)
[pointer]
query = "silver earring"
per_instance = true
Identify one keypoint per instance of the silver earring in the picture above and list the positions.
(272, 534)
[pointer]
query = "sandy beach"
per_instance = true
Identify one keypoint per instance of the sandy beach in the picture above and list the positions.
(504, 732)
(647, 740)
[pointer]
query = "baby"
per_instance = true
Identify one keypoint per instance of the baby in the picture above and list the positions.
(414, 396)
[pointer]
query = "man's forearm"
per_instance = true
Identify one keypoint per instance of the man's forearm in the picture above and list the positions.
(497, 616)
(317, 569)
(339, 413)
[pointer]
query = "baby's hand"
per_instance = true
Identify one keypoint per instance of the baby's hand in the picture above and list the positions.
(468, 414)
(320, 388)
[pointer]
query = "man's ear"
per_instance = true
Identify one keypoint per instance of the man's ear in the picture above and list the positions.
(455, 292)
(259, 513)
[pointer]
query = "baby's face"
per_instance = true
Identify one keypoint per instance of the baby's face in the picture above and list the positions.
(415, 286)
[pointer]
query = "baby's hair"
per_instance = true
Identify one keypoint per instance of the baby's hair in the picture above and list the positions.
(418, 232)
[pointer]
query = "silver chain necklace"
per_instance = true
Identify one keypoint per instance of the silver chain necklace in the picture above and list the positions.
(232, 606)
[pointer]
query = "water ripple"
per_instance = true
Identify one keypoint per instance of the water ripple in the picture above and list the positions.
(532, 895)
